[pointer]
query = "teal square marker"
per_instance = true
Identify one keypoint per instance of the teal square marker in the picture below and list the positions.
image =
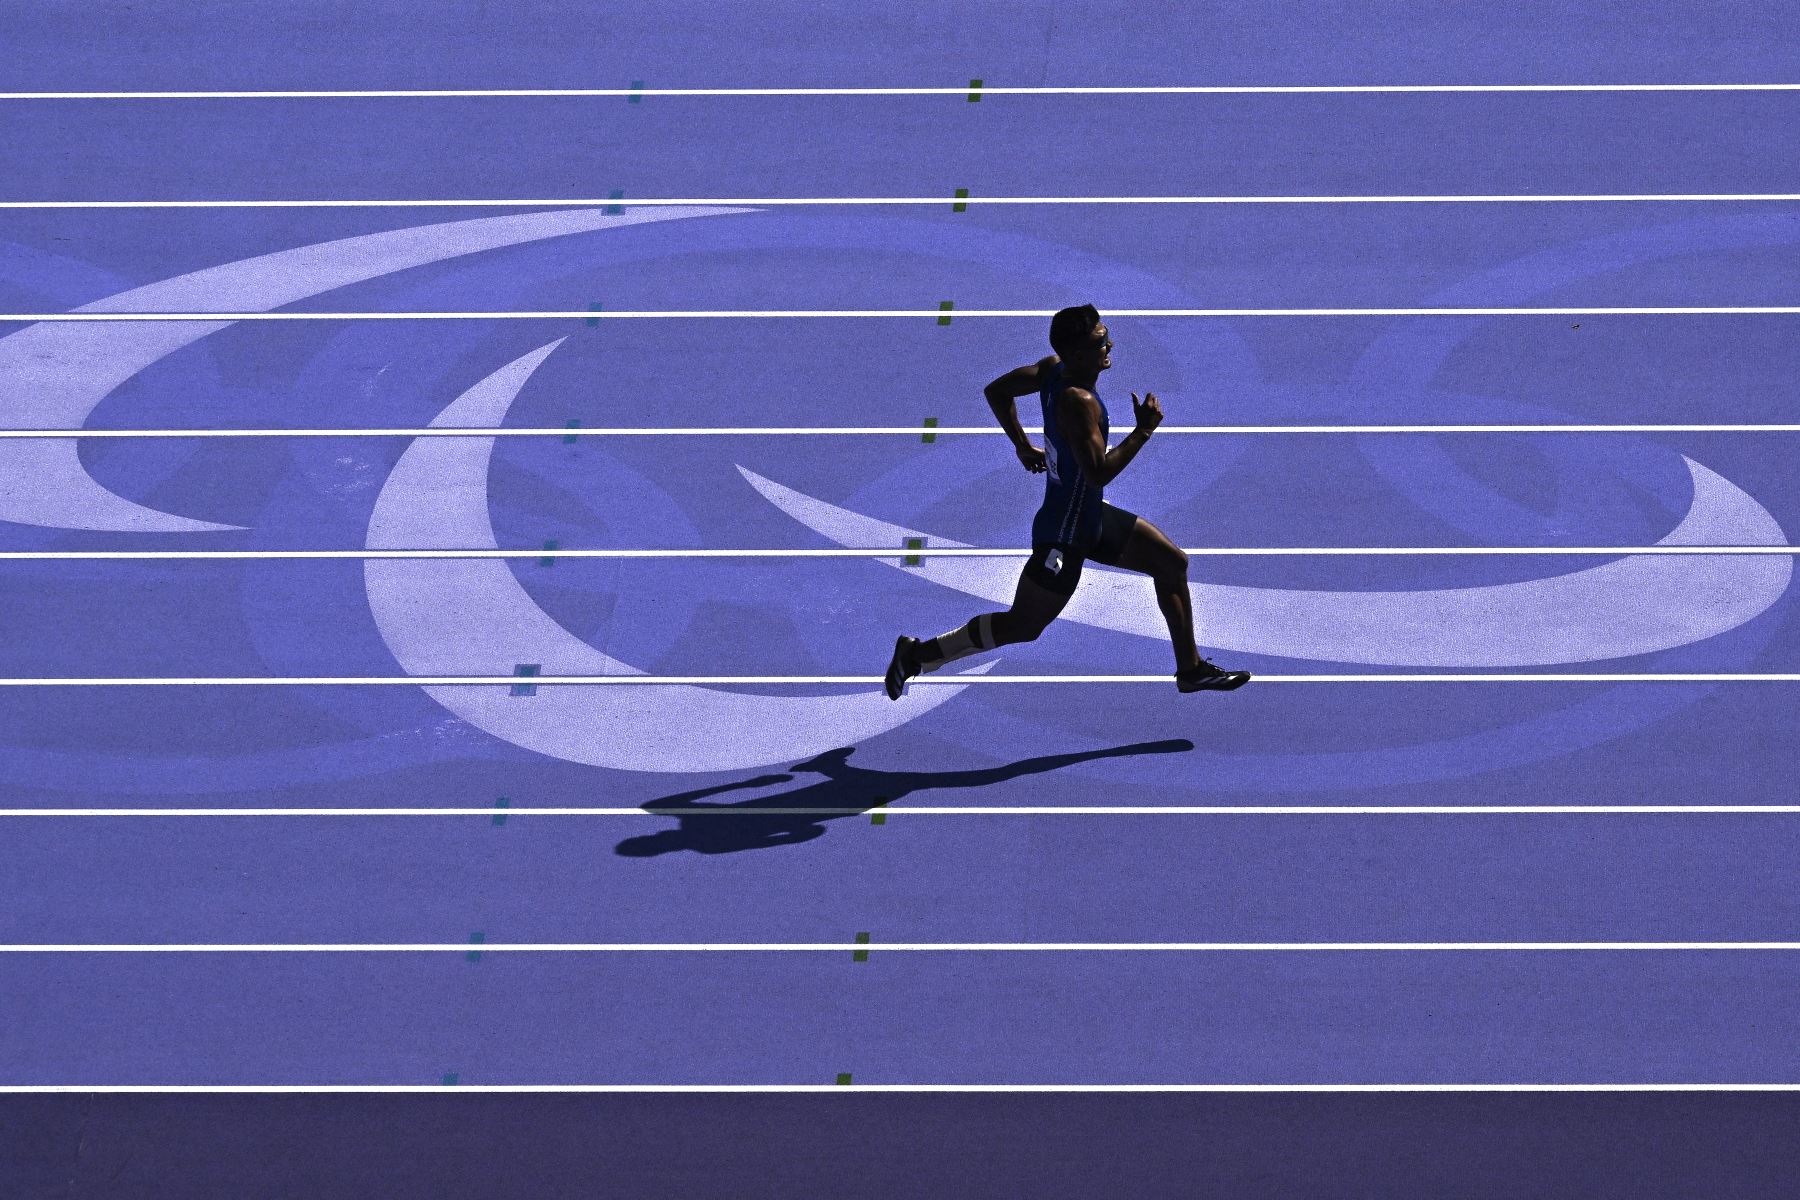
(974, 91)
(451, 1079)
(912, 560)
(944, 306)
(862, 939)
(961, 195)
(637, 85)
(548, 560)
(501, 803)
(475, 939)
(594, 322)
(569, 439)
(525, 671)
(613, 210)
(843, 1079)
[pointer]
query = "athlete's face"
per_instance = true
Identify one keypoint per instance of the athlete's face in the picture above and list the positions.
(1095, 354)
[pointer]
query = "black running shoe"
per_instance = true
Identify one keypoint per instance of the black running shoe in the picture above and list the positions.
(1209, 677)
(903, 666)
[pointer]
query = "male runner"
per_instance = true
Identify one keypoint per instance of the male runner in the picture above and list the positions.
(1074, 524)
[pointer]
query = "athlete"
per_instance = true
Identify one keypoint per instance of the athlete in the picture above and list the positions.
(1074, 524)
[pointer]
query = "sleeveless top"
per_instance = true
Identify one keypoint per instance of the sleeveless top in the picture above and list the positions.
(1071, 509)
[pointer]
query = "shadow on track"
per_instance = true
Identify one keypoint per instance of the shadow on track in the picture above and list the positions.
(799, 815)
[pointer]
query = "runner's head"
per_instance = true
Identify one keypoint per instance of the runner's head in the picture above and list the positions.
(1080, 340)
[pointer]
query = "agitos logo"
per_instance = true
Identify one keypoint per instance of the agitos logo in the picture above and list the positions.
(459, 616)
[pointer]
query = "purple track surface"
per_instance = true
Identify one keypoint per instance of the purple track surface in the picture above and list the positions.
(87, 1020)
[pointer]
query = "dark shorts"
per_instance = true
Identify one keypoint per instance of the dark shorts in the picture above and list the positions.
(1116, 525)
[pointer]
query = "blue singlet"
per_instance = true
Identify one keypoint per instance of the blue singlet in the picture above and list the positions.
(1070, 515)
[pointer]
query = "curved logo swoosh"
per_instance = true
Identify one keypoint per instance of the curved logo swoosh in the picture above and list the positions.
(55, 373)
(1633, 605)
(457, 615)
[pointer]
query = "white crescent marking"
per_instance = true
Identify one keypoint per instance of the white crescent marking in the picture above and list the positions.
(443, 616)
(55, 373)
(1633, 605)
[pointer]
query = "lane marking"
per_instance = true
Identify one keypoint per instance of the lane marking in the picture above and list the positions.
(861, 946)
(912, 549)
(974, 86)
(762, 1088)
(574, 430)
(879, 815)
(525, 671)
(942, 313)
(616, 202)
(527, 689)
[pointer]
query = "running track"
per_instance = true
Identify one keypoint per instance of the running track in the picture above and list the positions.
(466, 1017)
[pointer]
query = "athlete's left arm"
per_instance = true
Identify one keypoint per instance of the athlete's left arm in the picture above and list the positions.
(1001, 393)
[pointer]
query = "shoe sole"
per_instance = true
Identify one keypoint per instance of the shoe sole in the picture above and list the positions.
(894, 665)
(1228, 683)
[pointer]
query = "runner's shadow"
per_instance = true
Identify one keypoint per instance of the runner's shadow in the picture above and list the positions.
(843, 791)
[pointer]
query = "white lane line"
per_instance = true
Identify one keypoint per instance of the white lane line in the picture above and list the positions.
(884, 553)
(817, 680)
(921, 201)
(854, 430)
(984, 89)
(969, 811)
(893, 947)
(907, 313)
(845, 1089)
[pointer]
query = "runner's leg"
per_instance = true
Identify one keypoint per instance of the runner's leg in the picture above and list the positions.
(1150, 552)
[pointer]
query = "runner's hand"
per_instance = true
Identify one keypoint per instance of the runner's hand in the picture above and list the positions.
(1031, 457)
(1149, 414)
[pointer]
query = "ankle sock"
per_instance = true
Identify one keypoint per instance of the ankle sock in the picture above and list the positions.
(976, 636)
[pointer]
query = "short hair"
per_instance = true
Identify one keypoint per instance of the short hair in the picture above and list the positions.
(1071, 326)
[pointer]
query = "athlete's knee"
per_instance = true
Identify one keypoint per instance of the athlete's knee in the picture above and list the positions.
(1010, 628)
(1174, 569)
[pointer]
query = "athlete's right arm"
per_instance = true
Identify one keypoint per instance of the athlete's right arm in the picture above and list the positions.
(1078, 416)
(1021, 381)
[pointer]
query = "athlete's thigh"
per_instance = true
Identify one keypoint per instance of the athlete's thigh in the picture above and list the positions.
(1036, 603)
(1149, 551)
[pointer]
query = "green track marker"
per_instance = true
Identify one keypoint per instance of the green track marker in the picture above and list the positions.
(613, 210)
(878, 818)
(961, 195)
(862, 939)
(636, 85)
(548, 560)
(912, 560)
(451, 1078)
(928, 437)
(974, 91)
(500, 817)
(843, 1079)
(475, 939)
(569, 438)
(944, 306)
(526, 671)
(594, 322)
